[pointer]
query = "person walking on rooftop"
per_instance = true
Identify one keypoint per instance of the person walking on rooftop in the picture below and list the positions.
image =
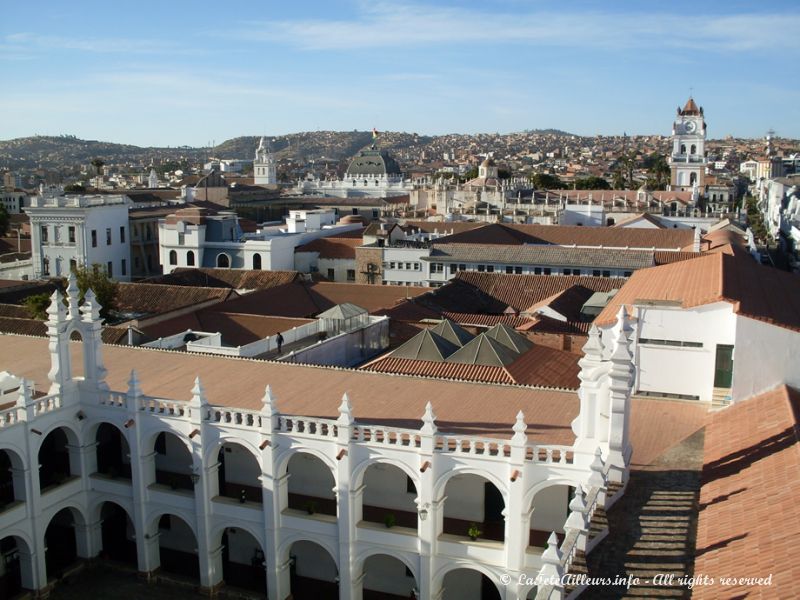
(279, 339)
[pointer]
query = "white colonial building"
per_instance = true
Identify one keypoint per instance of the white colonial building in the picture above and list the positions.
(688, 159)
(70, 231)
(221, 487)
(264, 170)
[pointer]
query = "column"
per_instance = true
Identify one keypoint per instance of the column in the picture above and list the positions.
(516, 536)
(347, 500)
(430, 511)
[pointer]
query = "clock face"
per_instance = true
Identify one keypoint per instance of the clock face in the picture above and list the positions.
(690, 127)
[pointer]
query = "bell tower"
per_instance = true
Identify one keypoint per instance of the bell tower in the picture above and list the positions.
(264, 171)
(688, 159)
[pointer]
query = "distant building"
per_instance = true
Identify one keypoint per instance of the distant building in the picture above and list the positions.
(13, 201)
(71, 231)
(688, 160)
(264, 170)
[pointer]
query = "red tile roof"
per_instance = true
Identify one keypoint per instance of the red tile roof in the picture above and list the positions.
(236, 329)
(332, 247)
(227, 278)
(749, 520)
(757, 292)
(152, 299)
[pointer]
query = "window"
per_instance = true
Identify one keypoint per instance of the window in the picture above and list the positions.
(509, 270)
(596, 272)
(392, 265)
(462, 267)
(518, 270)
(606, 273)
(481, 268)
(537, 270)
(351, 274)
(122, 234)
(173, 257)
(627, 273)
(257, 262)
(46, 266)
(223, 262)
(567, 271)
(71, 234)
(110, 269)
(190, 258)
(654, 342)
(490, 268)
(94, 238)
(124, 269)
(73, 264)
(181, 239)
(453, 267)
(355, 210)
(44, 234)
(108, 236)
(437, 267)
(547, 270)
(408, 266)
(332, 274)
(417, 266)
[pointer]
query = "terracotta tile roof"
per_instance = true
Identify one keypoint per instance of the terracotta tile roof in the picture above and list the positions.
(236, 329)
(722, 237)
(474, 292)
(287, 300)
(152, 299)
(616, 237)
(550, 255)
(757, 292)
(14, 292)
(482, 320)
(383, 399)
(10, 244)
(544, 324)
(441, 227)
(441, 370)
(227, 278)
(567, 303)
(749, 515)
(547, 367)
(332, 247)
(23, 326)
(14, 311)
(371, 297)
(643, 216)
(665, 257)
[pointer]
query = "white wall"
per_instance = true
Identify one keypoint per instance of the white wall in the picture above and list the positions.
(308, 475)
(550, 508)
(764, 356)
(465, 498)
(388, 575)
(386, 487)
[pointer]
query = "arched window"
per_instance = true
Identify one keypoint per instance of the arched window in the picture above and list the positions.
(257, 261)
(683, 148)
(694, 149)
(173, 257)
(190, 258)
(692, 178)
(223, 262)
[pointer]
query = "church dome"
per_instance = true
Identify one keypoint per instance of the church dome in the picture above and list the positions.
(691, 108)
(373, 162)
(488, 162)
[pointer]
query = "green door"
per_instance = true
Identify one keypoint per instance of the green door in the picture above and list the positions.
(723, 369)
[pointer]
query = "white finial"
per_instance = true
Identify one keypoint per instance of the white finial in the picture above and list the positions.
(198, 393)
(552, 553)
(519, 429)
(268, 401)
(73, 294)
(133, 385)
(90, 308)
(345, 411)
(428, 420)
(55, 311)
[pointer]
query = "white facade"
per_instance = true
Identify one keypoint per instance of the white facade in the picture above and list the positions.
(69, 231)
(219, 486)
(264, 170)
(13, 201)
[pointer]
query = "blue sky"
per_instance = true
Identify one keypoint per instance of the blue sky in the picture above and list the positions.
(174, 73)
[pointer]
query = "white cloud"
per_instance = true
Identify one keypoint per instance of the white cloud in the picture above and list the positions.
(33, 42)
(389, 25)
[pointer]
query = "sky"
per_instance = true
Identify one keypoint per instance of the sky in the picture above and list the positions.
(174, 72)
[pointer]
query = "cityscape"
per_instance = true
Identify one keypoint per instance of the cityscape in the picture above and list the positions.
(434, 300)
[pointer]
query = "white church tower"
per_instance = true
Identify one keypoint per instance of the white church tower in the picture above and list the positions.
(152, 179)
(688, 159)
(264, 165)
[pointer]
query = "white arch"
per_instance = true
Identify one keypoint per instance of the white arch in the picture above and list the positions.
(454, 564)
(96, 507)
(150, 444)
(70, 428)
(15, 453)
(219, 530)
(361, 470)
(531, 493)
(216, 446)
(441, 485)
(413, 566)
(78, 513)
(20, 535)
(151, 521)
(283, 460)
(286, 546)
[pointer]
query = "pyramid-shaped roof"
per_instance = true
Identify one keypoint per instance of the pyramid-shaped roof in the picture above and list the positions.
(453, 332)
(690, 108)
(342, 311)
(509, 338)
(426, 345)
(484, 350)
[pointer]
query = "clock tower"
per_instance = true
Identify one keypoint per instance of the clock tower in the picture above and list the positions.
(688, 159)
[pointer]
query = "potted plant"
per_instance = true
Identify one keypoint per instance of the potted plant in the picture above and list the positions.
(242, 497)
(389, 520)
(311, 507)
(473, 532)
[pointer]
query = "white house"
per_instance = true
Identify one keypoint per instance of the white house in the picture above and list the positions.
(211, 481)
(68, 231)
(720, 327)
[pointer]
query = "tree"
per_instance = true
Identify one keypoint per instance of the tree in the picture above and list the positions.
(98, 163)
(545, 181)
(618, 181)
(37, 305)
(4, 221)
(75, 188)
(592, 183)
(105, 289)
(658, 171)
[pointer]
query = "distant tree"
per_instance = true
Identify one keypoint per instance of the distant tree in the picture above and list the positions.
(471, 174)
(591, 183)
(37, 305)
(503, 174)
(618, 181)
(75, 188)
(4, 221)
(98, 163)
(104, 288)
(546, 181)
(658, 172)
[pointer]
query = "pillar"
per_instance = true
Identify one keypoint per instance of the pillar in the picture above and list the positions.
(347, 500)
(516, 537)
(427, 505)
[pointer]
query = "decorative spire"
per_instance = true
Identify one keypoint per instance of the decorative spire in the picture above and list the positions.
(56, 312)
(24, 393)
(552, 554)
(519, 430)
(345, 411)
(268, 402)
(577, 507)
(133, 385)
(597, 478)
(90, 308)
(198, 394)
(73, 294)
(428, 420)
